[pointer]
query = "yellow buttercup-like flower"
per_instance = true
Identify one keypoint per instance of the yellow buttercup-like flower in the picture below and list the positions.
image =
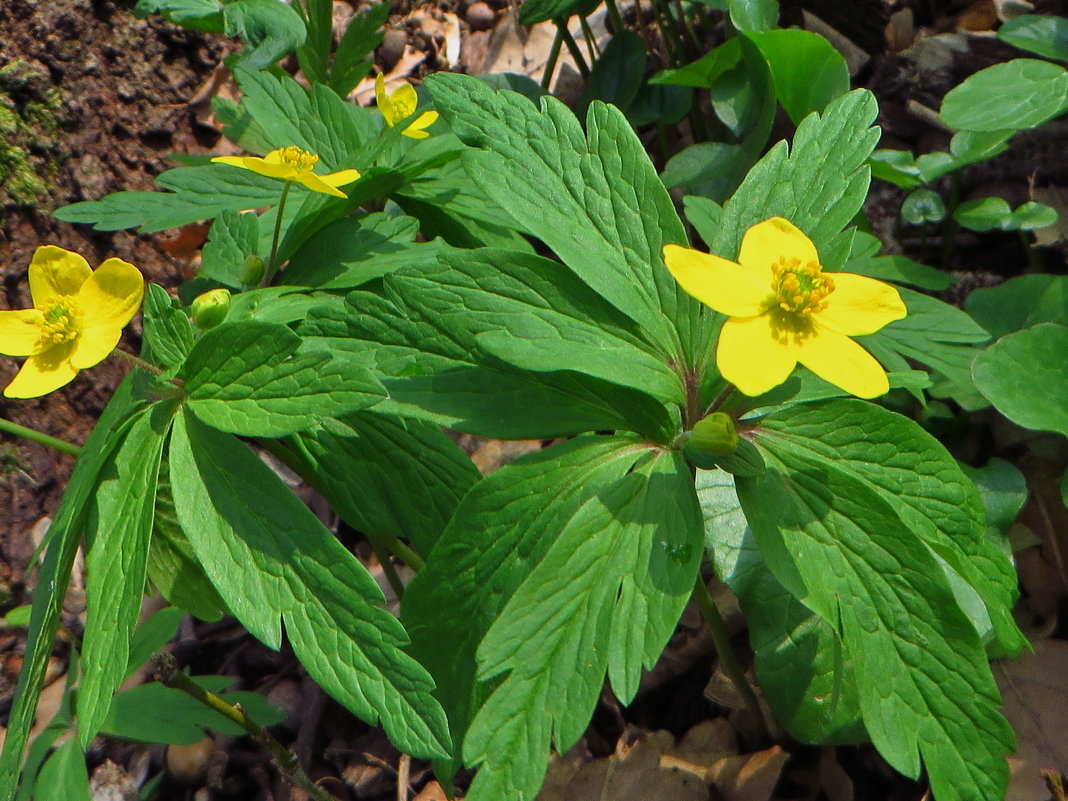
(399, 106)
(296, 165)
(784, 310)
(77, 319)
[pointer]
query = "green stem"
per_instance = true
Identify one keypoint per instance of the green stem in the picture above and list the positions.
(554, 56)
(165, 671)
(382, 553)
(137, 361)
(33, 435)
(272, 268)
(572, 47)
(721, 639)
(617, 18)
(591, 43)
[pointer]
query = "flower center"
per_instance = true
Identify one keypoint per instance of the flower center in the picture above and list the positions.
(299, 159)
(60, 323)
(799, 288)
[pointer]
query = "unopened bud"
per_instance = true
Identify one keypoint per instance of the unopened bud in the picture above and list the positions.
(211, 308)
(251, 272)
(715, 434)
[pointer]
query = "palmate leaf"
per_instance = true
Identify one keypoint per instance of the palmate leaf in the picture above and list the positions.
(594, 199)
(922, 676)
(64, 537)
(116, 563)
(797, 655)
(605, 597)
(272, 561)
(429, 374)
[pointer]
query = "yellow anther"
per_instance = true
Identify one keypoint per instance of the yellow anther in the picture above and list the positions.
(59, 324)
(800, 288)
(299, 158)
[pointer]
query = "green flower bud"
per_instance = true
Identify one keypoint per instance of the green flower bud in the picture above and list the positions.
(715, 434)
(252, 269)
(211, 308)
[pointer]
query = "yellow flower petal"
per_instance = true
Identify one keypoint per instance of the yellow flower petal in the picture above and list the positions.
(93, 345)
(765, 243)
(20, 332)
(111, 296)
(381, 98)
(415, 130)
(258, 166)
(317, 184)
(718, 283)
(55, 272)
(43, 373)
(340, 178)
(839, 360)
(860, 305)
(752, 357)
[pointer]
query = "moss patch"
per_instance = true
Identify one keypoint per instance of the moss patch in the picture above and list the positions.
(29, 124)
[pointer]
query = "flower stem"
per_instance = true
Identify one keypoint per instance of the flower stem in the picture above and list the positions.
(137, 361)
(33, 435)
(272, 268)
(721, 639)
(165, 671)
(572, 47)
(382, 554)
(550, 64)
(617, 18)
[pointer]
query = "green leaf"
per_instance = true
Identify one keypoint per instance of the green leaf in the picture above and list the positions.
(314, 55)
(232, 238)
(387, 475)
(617, 74)
(1018, 94)
(988, 213)
(754, 15)
(532, 313)
(173, 568)
(272, 561)
(808, 72)
(1003, 490)
(354, 250)
(64, 537)
(1023, 375)
(798, 657)
(912, 471)
(605, 596)
(198, 193)
(198, 15)
(120, 528)
(153, 634)
(64, 776)
(363, 34)
(1019, 303)
(532, 12)
(922, 677)
(1045, 35)
(168, 334)
(428, 373)
(248, 378)
(270, 29)
(703, 73)
(595, 200)
(484, 555)
(819, 185)
(900, 270)
(923, 206)
(152, 713)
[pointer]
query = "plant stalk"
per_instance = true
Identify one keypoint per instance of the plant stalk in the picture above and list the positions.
(550, 64)
(572, 47)
(272, 268)
(33, 435)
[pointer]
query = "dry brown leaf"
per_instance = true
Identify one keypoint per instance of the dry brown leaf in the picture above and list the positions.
(434, 792)
(1035, 689)
(496, 453)
(749, 777)
(634, 775)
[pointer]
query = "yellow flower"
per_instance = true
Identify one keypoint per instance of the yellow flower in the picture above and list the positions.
(785, 310)
(399, 106)
(77, 319)
(293, 164)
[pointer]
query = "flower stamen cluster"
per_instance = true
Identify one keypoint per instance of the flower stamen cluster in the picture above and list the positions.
(59, 324)
(299, 159)
(800, 288)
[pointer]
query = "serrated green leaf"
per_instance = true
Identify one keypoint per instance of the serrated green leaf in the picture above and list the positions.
(900, 270)
(808, 73)
(428, 374)
(798, 657)
(819, 184)
(385, 474)
(532, 313)
(605, 597)
(272, 561)
(595, 199)
(1046, 35)
(363, 34)
(64, 776)
(270, 29)
(64, 537)
(1023, 375)
(1018, 94)
(314, 55)
(922, 677)
(168, 333)
(120, 528)
(248, 378)
(484, 555)
(232, 238)
(911, 470)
